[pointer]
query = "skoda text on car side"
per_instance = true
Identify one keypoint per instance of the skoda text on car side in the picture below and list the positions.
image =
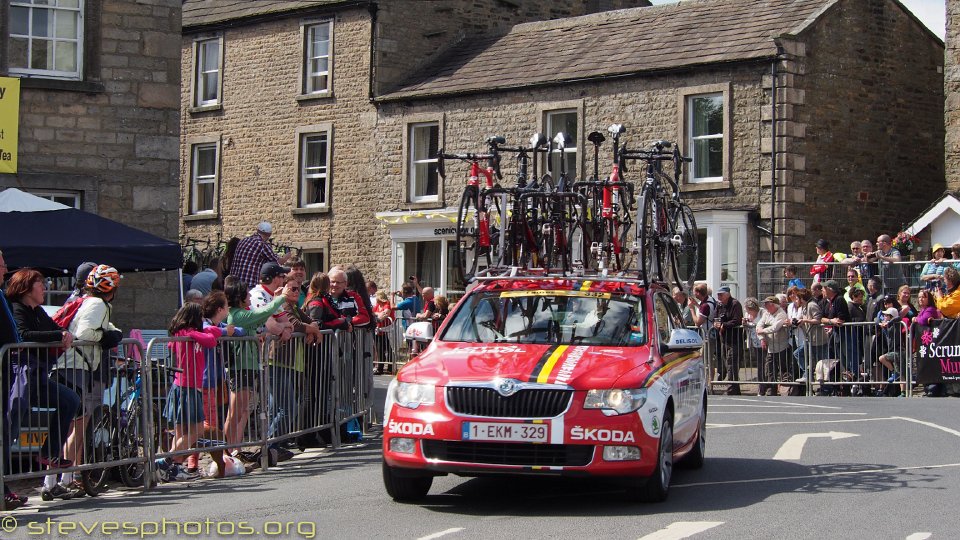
(551, 376)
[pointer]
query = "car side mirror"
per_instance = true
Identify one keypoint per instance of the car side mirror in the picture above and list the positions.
(684, 339)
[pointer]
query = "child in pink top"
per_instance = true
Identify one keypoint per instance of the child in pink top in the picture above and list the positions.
(184, 407)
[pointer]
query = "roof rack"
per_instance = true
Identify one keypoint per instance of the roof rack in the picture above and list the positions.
(495, 273)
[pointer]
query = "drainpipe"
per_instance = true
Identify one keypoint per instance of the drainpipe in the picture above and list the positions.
(372, 8)
(773, 158)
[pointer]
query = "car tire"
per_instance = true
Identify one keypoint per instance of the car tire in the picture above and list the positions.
(695, 458)
(657, 486)
(404, 487)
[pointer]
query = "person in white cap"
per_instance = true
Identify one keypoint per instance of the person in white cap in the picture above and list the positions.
(252, 253)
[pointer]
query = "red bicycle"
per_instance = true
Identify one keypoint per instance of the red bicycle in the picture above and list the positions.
(479, 216)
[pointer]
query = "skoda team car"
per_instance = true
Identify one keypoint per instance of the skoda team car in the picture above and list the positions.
(550, 376)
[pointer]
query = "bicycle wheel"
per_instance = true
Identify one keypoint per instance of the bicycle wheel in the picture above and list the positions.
(132, 443)
(684, 248)
(465, 259)
(497, 223)
(100, 448)
(652, 253)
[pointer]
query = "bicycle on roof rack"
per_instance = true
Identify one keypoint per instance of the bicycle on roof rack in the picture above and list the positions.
(479, 219)
(666, 236)
(521, 234)
(611, 205)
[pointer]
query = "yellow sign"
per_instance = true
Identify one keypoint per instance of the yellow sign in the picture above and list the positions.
(579, 294)
(9, 123)
(33, 438)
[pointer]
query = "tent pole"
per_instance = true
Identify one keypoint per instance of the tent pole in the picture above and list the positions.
(180, 288)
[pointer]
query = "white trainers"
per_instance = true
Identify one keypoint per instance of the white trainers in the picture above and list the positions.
(801, 379)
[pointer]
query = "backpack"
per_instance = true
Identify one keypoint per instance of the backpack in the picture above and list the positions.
(64, 316)
(712, 316)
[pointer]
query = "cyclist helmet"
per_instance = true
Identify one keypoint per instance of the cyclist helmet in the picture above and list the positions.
(103, 278)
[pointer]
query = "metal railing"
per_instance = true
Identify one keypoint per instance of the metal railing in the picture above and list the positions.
(850, 359)
(128, 413)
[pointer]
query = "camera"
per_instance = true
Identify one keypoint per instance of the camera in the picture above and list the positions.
(796, 322)
(412, 278)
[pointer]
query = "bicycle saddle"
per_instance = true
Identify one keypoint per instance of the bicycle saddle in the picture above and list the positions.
(596, 137)
(537, 140)
(616, 129)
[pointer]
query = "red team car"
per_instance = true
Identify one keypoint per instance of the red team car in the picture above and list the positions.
(592, 377)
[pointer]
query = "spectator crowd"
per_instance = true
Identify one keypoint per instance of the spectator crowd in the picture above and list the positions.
(848, 335)
(249, 291)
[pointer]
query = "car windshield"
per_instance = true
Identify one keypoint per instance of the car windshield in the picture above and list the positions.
(549, 317)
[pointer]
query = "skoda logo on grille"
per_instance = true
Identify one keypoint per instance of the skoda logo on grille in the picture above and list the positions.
(508, 387)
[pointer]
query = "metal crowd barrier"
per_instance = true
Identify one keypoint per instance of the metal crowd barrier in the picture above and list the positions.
(266, 392)
(401, 349)
(851, 359)
(770, 279)
(76, 412)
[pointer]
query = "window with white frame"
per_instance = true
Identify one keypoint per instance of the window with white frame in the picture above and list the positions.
(424, 140)
(316, 68)
(68, 198)
(565, 121)
(203, 181)
(705, 132)
(46, 38)
(314, 170)
(208, 75)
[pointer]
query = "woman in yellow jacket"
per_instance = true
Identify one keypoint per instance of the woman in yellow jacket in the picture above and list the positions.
(949, 304)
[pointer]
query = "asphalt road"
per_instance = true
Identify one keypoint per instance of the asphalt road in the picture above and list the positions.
(776, 468)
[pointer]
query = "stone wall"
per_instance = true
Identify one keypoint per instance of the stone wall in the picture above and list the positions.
(257, 129)
(869, 106)
(114, 137)
(952, 90)
(412, 33)
(257, 123)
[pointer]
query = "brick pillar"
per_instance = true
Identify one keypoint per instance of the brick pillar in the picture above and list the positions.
(788, 222)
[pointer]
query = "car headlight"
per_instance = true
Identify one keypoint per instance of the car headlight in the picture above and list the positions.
(616, 401)
(412, 395)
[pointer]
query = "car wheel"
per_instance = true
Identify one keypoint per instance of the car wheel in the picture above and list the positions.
(697, 455)
(405, 488)
(657, 486)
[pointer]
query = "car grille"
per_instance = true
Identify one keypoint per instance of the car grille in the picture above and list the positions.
(533, 455)
(526, 403)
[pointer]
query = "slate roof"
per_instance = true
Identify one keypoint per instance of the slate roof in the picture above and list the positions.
(615, 43)
(207, 12)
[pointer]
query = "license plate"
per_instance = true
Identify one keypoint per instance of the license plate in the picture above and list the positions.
(489, 431)
(33, 438)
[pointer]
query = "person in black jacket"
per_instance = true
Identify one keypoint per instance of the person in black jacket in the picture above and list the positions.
(729, 324)
(33, 385)
(8, 335)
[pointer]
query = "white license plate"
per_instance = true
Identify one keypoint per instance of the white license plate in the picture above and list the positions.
(489, 431)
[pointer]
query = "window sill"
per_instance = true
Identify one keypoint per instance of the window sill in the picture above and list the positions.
(424, 205)
(40, 83)
(310, 211)
(314, 97)
(202, 217)
(705, 186)
(205, 108)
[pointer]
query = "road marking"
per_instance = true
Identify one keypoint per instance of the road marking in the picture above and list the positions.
(920, 536)
(441, 533)
(682, 529)
(793, 403)
(793, 448)
(928, 424)
(808, 422)
(804, 413)
(807, 476)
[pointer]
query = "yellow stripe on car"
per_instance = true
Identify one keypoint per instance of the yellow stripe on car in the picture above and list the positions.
(551, 362)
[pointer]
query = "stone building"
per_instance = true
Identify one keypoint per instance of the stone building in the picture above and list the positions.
(952, 92)
(276, 113)
(99, 121)
(802, 111)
